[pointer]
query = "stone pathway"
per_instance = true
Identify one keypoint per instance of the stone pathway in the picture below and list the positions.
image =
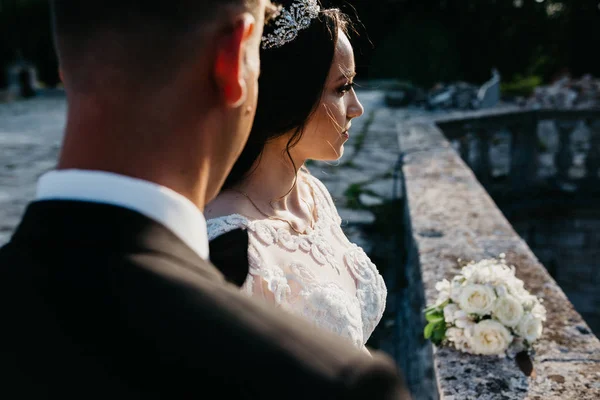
(30, 136)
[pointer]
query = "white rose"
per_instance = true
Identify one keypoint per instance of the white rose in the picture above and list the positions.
(489, 337)
(462, 319)
(501, 290)
(508, 310)
(455, 289)
(530, 328)
(458, 339)
(443, 287)
(456, 336)
(539, 311)
(449, 312)
(477, 299)
(517, 290)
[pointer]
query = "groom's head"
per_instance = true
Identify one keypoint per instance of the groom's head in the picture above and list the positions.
(192, 64)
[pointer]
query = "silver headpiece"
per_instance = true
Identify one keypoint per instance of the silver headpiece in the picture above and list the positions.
(290, 22)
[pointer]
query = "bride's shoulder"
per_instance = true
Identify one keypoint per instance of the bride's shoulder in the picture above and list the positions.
(227, 204)
(225, 213)
(311, 179)
(315, 183)
(323, 198)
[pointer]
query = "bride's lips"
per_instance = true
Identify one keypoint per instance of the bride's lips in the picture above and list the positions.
(346, 133)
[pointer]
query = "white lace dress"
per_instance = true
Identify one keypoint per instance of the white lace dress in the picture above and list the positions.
(320, 275)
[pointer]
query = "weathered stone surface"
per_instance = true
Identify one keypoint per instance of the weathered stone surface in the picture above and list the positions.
(443, 196)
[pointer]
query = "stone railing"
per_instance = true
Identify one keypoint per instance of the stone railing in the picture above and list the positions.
(513, 150)
(449, 216)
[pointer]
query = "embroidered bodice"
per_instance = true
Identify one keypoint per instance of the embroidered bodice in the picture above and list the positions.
(319, 275)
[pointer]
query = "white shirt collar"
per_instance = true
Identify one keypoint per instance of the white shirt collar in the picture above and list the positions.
(159, 203)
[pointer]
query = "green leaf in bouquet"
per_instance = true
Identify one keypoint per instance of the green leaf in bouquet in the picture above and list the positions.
(429, 330)
(430, 308)
(438, 307)
(434, 316)
(436, 331)
(439, 335)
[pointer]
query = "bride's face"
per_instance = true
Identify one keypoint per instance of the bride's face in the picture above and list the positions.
(329, 128)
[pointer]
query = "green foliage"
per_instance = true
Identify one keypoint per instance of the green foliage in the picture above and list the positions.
(422, 41)
(521, 86)
(435, 330)
(418, 51)
(352, 196)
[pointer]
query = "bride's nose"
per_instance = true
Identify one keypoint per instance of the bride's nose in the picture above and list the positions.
(355, 109)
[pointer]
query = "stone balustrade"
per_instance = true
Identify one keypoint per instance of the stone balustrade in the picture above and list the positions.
(557, 150)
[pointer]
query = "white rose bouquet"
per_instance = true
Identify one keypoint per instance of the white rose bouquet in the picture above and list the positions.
(485, 310)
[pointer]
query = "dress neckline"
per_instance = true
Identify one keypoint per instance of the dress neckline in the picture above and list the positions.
(318, 211)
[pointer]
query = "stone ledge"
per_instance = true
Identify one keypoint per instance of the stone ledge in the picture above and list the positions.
(449, 216)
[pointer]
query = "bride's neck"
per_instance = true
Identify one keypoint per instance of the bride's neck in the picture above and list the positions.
(273, 178)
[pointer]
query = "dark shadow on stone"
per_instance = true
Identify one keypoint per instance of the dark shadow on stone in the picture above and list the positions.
(525, 364)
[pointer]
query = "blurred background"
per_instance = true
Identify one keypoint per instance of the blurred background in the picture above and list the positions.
(418, 42)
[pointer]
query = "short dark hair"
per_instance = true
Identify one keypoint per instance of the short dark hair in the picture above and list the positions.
(143, 34)
(291, 86)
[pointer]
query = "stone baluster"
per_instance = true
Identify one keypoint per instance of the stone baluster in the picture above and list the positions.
(461, 136)
(524, 154)
(592, 160)
(564, 156)
(465, 147)
(483, 166)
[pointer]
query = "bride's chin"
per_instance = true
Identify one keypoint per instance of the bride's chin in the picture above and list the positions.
(331, 155)
(336, 156)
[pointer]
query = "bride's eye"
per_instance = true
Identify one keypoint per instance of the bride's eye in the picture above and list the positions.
(346, 88)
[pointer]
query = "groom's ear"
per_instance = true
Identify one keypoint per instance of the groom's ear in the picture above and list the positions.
(229, 65)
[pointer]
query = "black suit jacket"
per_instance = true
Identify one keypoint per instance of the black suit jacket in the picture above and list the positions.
(98, 301)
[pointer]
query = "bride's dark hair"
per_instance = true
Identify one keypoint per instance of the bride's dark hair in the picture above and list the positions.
(290, 87)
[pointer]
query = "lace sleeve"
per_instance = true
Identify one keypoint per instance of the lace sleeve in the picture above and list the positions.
(266, 280)
(263, 278)
(221, 225)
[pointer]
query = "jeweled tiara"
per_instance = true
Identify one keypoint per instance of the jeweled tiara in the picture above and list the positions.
(290, 22)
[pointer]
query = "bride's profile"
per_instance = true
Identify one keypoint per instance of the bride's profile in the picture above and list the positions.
(298, 257)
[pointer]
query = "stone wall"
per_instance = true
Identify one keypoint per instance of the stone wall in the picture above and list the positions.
(450, 216)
